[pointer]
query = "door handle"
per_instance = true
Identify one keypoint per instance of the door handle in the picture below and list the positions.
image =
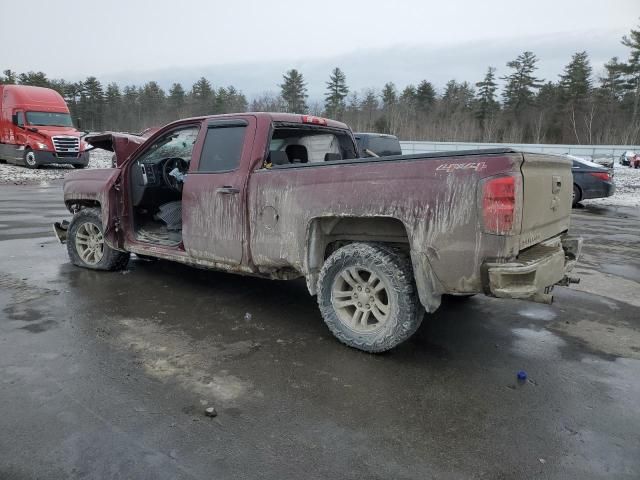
(227, 190)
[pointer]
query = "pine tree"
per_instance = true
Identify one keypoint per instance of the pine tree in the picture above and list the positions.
(632, 70)
(294, 92)
(632, 67)
(176, 101)
(132, 119)
(408, 96)
(612, 86)
(10, 77)
(425, 96)
(389, 95)
(369, 107)
(337, 91)
(457, 96)
(520, 90)
(486, 103)
(92, 99)
(34, 79)
(152, 101)
(576, 81)
(202, 97)
(113, 105)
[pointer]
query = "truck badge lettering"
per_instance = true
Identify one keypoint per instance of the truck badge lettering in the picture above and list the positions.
(450, 167)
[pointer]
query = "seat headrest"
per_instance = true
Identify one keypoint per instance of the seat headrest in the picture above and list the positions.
(297, 153)
(278, 157)
(329, 157)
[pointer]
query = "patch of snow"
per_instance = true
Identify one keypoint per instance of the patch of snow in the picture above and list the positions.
(627, 192)
(18, 175)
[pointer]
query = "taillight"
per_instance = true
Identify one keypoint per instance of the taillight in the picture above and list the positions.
(314, 120)
(601, 175)
(499, 202)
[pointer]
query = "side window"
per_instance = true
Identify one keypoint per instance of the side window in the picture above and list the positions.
(222, 148)
(177, 143)
(20, 117)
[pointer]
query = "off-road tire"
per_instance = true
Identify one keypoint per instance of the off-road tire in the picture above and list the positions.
(111, 259)
(577, 196)
(30, 159)
(391, 266)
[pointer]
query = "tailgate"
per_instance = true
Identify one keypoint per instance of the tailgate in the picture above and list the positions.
(547, 190)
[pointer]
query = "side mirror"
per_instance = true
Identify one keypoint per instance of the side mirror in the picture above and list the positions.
(79, 123)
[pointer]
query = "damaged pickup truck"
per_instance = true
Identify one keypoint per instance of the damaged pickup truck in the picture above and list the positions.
(283, 196)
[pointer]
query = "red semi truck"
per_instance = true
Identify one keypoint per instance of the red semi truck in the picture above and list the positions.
(36, 128)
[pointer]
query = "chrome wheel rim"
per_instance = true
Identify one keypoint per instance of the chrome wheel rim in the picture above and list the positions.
(30, 158)
(360, 299)
(89, 243)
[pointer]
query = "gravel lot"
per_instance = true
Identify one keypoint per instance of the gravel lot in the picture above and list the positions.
(17, 175)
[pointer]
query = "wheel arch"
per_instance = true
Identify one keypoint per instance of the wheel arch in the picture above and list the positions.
(76, 204)
(327, 233)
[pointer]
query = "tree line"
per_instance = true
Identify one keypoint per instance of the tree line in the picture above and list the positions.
(577, 107)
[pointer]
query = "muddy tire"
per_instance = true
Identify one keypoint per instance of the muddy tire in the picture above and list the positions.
(577, 196)
(368, 298)
(30, 160)
(86, 245)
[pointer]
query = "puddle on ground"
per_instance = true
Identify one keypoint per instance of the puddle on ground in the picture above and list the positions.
(617, 340)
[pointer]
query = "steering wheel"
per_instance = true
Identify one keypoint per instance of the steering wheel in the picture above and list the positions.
(167, 166)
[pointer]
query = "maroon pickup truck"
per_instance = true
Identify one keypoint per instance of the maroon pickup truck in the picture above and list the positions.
(283, 196)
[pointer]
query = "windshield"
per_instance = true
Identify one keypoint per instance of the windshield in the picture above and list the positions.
(49, 119)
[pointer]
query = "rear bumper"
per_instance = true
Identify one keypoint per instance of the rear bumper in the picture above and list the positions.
(533, 274)
(602, 189)
(44, 158)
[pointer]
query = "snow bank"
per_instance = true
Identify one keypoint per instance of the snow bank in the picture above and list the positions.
(12, 174)
(627, 193)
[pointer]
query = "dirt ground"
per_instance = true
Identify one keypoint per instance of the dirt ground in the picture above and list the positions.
(107, 375)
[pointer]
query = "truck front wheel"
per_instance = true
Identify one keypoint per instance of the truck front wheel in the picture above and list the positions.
(86, 245)
(30, 160)
(368, 298)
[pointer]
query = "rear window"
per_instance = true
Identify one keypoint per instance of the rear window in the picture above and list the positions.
(310, 145)
(222, 149)
(384, 146)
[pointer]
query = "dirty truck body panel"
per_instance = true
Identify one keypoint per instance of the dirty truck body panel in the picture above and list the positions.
(467, 219)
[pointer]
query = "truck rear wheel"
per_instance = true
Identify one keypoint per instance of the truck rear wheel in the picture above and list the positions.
(30, 160)
(368, 298)
(86, 245)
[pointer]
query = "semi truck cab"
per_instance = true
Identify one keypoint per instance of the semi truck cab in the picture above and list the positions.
(36, 128)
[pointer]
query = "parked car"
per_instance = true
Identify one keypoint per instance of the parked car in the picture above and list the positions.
(36, 128)
(377, 145)
(625, 158)
(282, 196)
(590, 180)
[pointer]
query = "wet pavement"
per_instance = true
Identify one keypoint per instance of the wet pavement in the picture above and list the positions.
(107, 375)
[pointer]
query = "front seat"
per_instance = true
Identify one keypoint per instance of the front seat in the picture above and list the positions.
(297, 153)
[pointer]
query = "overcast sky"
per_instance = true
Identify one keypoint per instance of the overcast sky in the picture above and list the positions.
(249, 42)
